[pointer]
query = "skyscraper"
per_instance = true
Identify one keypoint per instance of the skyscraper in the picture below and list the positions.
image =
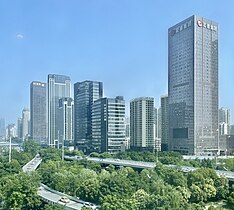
(157, 128)
(224, 121)
(2, 128)
(19, 128)
(59, 86)
(142, 123)
(193, 86)
(108, 124)
(38, 112)
(85, 93)
(25, 123)
(66, 120)
(164, 122)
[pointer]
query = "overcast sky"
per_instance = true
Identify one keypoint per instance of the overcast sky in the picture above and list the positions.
(122, 43)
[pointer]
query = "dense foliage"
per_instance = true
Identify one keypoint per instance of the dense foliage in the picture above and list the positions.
(125, 188)
(112, 188)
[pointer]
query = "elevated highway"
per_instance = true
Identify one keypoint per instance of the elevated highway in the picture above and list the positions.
(140, 164)
(49, 195)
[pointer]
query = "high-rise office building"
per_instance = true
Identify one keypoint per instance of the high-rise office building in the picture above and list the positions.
(224, 115)
(25, 123)
(11, 131)
(85, 93)
(108, 125)
(193, 86)
(224, 121)
(164, 122)
(127, 132)
(66, 120)
(142, 123)
(2, 128)
(19, 128)
(59, 86)
(231, 129)
(38, 117)
(157, 128)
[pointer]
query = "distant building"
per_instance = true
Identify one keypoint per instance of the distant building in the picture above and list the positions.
(25, 123)
(193, 86)
(157, 128)
(11, 131)
(108, 125)
(66, 120)
(19, 128)
(231, 129)
(142, 124)
(224, 121)
(59, 86)
(127, 132)
(85, 93)
(38, 129)
(2, 128)
(164, 123)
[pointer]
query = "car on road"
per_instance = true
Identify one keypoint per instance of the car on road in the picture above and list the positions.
(90, 205)
(64, 199)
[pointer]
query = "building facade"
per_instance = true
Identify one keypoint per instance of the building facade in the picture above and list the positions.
(2, 128)
(38, 129)
(142, 124)
(157, 128)
(66, 120)
(193, 86)
(25, 123)
(108, 125)
(164, 123)
(59, 86)
(85, 93)
(224, 121)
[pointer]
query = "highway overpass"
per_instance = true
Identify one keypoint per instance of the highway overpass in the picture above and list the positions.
(49, 195)
(140, 164)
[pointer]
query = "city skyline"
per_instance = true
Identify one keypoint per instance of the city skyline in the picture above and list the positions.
(100, 41)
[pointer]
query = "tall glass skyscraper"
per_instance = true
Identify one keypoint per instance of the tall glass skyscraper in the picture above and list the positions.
(193, 86)
(66, 120)
(85, 93)
(108, 124)
(59, 86)
(38, 112)
(2, 128)
(164, 122)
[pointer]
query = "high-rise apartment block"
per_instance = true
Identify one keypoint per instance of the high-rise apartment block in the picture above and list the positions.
(38, 116)
(193, 86)
(108, 125)
(142, 123)
(66, 120)
(164, 122)
(85, 93)
(59, 86)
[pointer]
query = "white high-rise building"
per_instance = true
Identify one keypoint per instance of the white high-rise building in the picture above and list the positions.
(66, 120)
(59, 86)
(25, 123)
(142, 124)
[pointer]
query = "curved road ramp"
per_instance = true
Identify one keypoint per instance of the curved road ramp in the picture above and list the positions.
(49, 195)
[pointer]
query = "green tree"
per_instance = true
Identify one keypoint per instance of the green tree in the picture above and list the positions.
(31, 147)
(20, 191)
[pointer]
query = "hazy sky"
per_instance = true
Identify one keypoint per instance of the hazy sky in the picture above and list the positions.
(122, 43)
